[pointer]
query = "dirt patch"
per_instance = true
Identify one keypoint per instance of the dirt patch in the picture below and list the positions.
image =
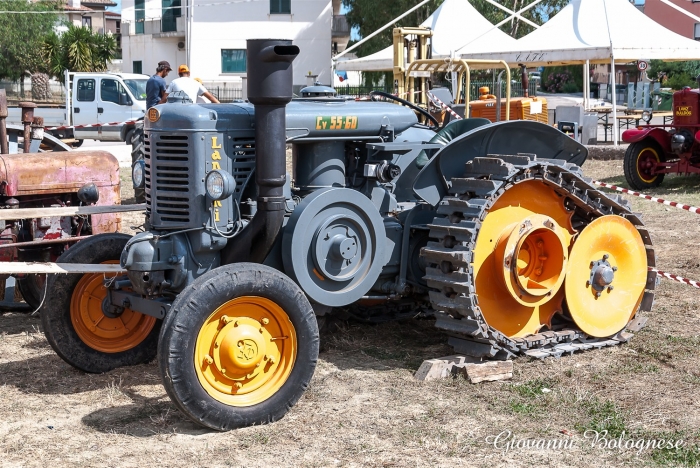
(606, 152)
(364, 408)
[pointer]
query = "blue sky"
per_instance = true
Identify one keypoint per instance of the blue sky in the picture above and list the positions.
(117, 8)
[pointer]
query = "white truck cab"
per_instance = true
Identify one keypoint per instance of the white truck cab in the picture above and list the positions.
(107, 98)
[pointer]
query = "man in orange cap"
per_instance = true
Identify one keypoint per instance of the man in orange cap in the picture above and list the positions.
(187, 85)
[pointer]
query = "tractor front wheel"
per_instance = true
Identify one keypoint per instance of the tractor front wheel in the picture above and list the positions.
(640, 159)
(238, 347)
(75, 321)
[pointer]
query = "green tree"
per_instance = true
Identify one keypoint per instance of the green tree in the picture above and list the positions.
(22, 35)
(675, 75)
(79, 49)
(366, 16)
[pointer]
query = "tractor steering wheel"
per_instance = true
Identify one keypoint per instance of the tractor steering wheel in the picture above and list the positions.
(420, 110)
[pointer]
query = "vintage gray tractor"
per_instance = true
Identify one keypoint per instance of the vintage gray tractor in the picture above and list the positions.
(490, 227)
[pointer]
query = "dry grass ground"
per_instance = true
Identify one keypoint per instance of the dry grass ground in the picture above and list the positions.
(365, 409)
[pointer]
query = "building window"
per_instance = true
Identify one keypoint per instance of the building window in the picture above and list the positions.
(87, 22)
(139, 15)
(137, 66)
(280, 7)
(86, 90)
(233, 60)
(696, 32)
(169, 13)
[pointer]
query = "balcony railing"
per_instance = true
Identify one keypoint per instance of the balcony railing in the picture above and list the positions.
(154, 26)
(340, 26)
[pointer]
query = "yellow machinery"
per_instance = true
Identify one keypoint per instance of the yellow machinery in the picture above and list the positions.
(412, 68)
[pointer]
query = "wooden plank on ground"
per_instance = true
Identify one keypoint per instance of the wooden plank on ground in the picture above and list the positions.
(472, 368)
(488, 371)
(25, 213)
(13, 268)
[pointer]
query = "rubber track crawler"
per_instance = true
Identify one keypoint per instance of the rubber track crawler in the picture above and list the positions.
(525, 257)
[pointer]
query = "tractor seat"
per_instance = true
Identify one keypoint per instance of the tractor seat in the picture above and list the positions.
(449, 132)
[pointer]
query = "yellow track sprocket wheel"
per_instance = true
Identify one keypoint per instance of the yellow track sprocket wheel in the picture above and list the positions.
(606, 277)
(520, 258)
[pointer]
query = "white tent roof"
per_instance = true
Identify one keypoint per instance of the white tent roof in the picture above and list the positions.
(454, 24)
(585, 29)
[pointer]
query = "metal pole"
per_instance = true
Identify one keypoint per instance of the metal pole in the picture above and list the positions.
(190, 20)
(614, 97)
(27, 119)
(357, 44)
(69, 109)
(3, 129)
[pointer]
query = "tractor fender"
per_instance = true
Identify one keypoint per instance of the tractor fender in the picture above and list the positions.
(511, 137)
(661, 136)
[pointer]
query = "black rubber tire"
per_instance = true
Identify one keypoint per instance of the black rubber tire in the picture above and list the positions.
(176, 348)
(129, 136)
(138, 151)
(77, 143)
(32, 289)
(56, 319)
(632, 154)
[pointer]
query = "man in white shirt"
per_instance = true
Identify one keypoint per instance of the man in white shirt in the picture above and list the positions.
(188, 86)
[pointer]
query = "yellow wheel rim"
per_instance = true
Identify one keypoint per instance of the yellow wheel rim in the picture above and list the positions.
(245, 351)
(98, 331)
(520, 259)
(646, 155)
(608, 252)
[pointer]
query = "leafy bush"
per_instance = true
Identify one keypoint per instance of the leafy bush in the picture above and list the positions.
(570, 87)
(556, 81)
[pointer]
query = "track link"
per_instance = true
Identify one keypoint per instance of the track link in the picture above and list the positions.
(449, 255)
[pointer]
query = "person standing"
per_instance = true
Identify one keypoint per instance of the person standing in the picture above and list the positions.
(187, 85)
(155, 86)
(201, 99)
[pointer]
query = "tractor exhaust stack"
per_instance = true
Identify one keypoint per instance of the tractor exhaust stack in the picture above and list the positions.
(269, 65)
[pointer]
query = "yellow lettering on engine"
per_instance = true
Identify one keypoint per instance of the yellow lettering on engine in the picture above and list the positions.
(215, 155)
(217, 203)
(213, 143)
(215, 165)
(216, 216)
(319, 119)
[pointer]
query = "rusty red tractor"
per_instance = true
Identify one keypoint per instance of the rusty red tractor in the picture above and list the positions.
(43, 186)
(657, 150)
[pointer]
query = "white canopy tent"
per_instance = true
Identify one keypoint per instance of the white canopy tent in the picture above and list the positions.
(454, 23)
(593, 31)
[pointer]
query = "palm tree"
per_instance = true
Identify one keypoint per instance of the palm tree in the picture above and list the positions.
(78, 49)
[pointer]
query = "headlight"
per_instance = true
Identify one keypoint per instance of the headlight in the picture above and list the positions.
(219, 184)
(137, 171)
(646, 116)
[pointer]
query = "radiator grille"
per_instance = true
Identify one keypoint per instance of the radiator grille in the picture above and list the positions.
(243, 166)
(167, 178)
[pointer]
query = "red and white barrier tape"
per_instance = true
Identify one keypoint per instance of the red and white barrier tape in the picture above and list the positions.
(443, 105)
(680, 206)
(109, 124)
(673, 277)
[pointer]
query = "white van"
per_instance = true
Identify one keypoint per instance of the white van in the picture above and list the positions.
(95, 98)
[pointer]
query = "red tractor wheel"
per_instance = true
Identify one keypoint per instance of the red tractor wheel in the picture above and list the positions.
(640, 159)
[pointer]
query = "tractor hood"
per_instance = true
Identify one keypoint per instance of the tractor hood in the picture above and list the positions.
(305, 118)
